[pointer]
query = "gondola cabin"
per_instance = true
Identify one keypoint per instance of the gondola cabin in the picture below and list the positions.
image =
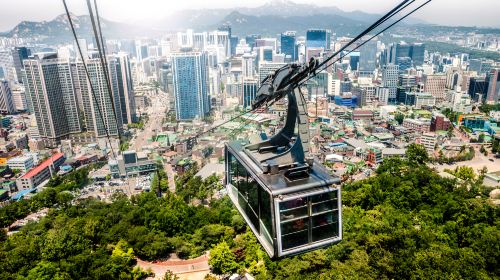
(288, 214)
(289, 201)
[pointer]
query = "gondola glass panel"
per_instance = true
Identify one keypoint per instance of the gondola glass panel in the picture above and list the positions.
(253, 200)
(287, 223)
(305, 220)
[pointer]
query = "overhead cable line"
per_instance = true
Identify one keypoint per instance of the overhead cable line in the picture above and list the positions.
(88, 75)
(104, 63)
(311, 69)
(368, 40)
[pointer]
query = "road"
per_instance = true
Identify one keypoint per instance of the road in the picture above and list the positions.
(156, 113)
(170, 174)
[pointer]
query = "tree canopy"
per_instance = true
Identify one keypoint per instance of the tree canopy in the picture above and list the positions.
(406, 222)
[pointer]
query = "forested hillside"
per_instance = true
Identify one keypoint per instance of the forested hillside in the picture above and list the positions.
(405, 223)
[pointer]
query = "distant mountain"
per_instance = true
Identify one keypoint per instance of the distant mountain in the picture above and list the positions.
(272, 18)
(58, 30)
(271, 25)
(269, 19)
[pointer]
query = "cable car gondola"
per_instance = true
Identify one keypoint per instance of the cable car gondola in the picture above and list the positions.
(288, 199)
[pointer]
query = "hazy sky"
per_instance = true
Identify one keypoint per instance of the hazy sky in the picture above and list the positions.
(448, 12)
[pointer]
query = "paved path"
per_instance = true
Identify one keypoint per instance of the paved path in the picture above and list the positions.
(195, 268)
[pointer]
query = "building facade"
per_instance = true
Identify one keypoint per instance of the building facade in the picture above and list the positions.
(190, 79)
(6, 99)
(103, 102)
(435, 85)
(49, 87)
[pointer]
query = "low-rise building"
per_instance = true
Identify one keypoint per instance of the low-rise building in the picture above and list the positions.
(439, 122)
(420, 125)
(41, 173)
(5, 156)
(429, 141)
(362, 115)
(131, 163)
(475, 122)
(371, 155)
(22, 163)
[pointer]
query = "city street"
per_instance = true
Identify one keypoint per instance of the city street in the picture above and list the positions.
(156, 113)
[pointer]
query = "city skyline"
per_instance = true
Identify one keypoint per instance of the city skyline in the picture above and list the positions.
(438, 12)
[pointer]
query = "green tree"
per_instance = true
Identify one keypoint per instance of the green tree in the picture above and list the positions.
(481, 138)
(169, 275)
(449, 133)
(465, 173)
(399, 117)
(222, 259)
(483, 150)
(417, 154)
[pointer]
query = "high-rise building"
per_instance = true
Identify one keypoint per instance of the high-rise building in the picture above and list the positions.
(247, 65)
(366, 94)
(415, 52)
(408, 81)
(233, 42)
(478, 88)
(190, 80)
(390, 75)
(141, 50)
(250, 39)
(435, 85)
(265, 68)
(6, 102)
(368, 57)
(19, 98)
(266, 54)
(318, 38)
(399, 50)
(486, 66)
(49, 87)
(475, 65)
(129, 47)
(19, 54)
(354, 61)
(121, 63)
(250, 87)
(345, 86)
(288, 46)
(404, 63)
(7, 69)
(103, 101)
(493, 87)
(318, 85)
(382, 95)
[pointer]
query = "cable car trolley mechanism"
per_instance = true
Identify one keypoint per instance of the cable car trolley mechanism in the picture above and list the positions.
(287, 198)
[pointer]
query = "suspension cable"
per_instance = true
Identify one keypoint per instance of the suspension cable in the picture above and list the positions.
(311, 72)
(383, 30)
(103, 59)
(88, 75)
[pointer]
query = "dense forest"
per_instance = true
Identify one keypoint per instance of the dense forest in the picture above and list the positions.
(406, 222)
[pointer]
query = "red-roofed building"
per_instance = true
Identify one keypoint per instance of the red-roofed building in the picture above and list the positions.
(41, 173)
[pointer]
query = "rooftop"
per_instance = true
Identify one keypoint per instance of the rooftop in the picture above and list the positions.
(22, 193)
(43, 165)
(210, 169)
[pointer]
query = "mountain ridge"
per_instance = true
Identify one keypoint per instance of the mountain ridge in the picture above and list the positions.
(268, 19)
